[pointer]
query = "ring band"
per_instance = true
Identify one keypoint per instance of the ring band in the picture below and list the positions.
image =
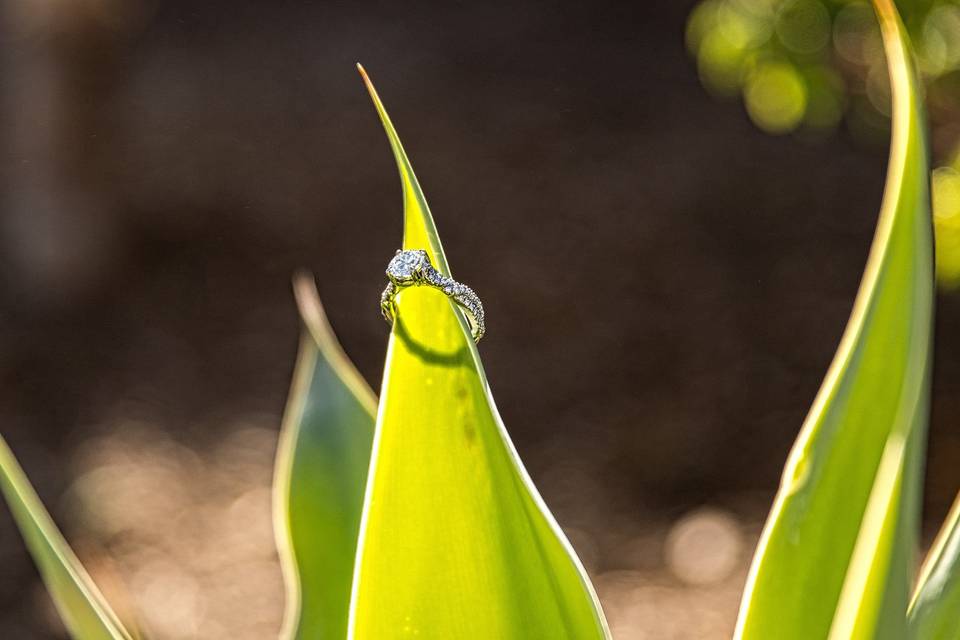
(413, 268)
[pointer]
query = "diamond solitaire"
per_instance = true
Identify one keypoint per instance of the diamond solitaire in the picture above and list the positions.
(405, 266)
(413, 267)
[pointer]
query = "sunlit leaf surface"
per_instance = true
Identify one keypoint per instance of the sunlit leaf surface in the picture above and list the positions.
(836, 556)
(84, 611)
(935, 610)
(455, 541)
(321, 474)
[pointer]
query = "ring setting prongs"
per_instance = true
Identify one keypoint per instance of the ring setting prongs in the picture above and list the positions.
(413, 268)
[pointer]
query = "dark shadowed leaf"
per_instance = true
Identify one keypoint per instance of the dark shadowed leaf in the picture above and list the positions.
(321, 473)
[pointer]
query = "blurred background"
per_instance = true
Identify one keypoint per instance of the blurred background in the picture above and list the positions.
(691, 187)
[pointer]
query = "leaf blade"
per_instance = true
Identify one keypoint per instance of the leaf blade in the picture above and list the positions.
(835, 558)
(936, 600)
(82, 607)
(320, 478)
(456, 541)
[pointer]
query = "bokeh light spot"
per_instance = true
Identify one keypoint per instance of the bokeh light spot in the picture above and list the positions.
(803, 26)
(855, 33)
(747, 24)
(825, 98)
(776, 97)
(704, 546)
(946, 221)
(878, 88)
(939, 46)
(720, 63)
(702, 20)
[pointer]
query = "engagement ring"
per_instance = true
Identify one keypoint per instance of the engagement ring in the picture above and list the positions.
(414, 268)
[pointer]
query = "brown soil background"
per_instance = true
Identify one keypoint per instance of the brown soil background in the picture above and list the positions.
(665, 285)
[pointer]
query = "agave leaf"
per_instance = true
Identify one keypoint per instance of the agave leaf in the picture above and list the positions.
(935, 610)
(836, 556)
(455, 541)
(84, 611)
(321, 473)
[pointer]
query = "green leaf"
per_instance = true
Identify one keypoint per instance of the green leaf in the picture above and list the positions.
(321, 473)
(455, 541)
(935, 610)
(84, 611)
(836, 556)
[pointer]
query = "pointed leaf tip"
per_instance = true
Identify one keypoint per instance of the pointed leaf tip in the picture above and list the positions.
(420, 232)
(311, 309)
(445, 476)
(369, 85)
(321, 473)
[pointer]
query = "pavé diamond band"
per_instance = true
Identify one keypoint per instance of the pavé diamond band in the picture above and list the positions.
(413, 268)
